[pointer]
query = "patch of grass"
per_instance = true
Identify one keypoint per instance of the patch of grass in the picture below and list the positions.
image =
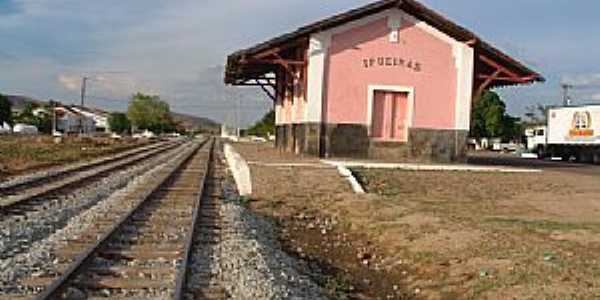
(424, 257)
(243, 201)
(483, 285)
(20, 154)
(540, 225)
(340, 286)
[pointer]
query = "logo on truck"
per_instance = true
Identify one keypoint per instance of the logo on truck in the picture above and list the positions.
(582, 125)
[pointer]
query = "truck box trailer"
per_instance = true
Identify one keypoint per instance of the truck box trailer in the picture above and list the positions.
(572, 133)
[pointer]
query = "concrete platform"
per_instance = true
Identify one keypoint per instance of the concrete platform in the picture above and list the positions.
(427, 167)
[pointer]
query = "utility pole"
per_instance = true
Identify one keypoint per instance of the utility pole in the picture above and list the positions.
(53, 105)
(238, 120)
(83, 89)
(566, 98)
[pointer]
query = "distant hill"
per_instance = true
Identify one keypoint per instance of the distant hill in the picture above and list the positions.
(20, 102)
(189, 122)
(196, 123)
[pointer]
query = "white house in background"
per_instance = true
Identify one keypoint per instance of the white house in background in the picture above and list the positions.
(69, 121)
(40, 111)
(25, 129)
(99, 117)
(5, 128)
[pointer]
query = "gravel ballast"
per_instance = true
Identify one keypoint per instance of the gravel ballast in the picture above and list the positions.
(30, 240)
(252, 263)
(254, 266)
(245, 259)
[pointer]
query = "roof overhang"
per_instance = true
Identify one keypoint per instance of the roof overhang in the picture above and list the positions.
(493, 68)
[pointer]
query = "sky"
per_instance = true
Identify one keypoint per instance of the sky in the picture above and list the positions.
(176, 48)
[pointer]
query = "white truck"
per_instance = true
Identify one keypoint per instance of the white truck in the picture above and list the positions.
(572, 133)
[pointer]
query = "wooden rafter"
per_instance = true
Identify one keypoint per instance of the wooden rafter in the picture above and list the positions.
(276, 61)
(278, 49)
(267, 53)
(497, 66)
(486, 83)
(273, 57)
(505, 78)
(288, 67)
(269, 93)
(501, 73)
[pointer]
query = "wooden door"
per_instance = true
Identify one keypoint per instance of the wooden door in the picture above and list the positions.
(390, 116)
(399, 117)
(380, 122)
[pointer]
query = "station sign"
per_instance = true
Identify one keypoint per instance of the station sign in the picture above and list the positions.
(392, 62)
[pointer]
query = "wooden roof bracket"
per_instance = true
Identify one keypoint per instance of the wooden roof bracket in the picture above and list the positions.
(278, 49)
(510, 75)
(486, 83)
(269, 93)
(494, 64)
(287, 65)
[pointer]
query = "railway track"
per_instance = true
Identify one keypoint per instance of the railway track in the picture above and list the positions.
(14, 186)
(24, 196)
(139, 252)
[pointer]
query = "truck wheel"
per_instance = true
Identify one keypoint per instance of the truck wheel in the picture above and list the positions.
(584, 157)
(541, 154)
(566, 157)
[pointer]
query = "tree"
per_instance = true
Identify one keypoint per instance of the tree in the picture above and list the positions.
(147, 112)
(265, 126)
(119, 123)
(5, 111)
(491, 120)
(512, 128)
(43, 119)
(26, 116)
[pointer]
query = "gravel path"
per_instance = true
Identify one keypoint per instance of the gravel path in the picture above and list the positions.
(254, 266)
(249, 260)
(67, 219)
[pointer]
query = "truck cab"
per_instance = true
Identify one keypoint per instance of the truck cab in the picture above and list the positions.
(537, 138)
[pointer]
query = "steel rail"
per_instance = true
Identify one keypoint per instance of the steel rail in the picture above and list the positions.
(7, 203)
(51, 292)
(80, 167)
(181, 279)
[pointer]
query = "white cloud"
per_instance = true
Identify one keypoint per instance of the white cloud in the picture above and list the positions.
(69, 82)
(583, 80)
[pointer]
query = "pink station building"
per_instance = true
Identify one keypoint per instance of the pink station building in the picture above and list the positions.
(389, 80)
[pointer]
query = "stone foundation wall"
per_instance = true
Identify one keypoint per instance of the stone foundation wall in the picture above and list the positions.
(298, 138)
(352, 141)
(346, 140)
(438, 145)
(390, 150)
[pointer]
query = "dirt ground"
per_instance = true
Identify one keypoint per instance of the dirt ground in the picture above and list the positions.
(25, 154)
(435, 235)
